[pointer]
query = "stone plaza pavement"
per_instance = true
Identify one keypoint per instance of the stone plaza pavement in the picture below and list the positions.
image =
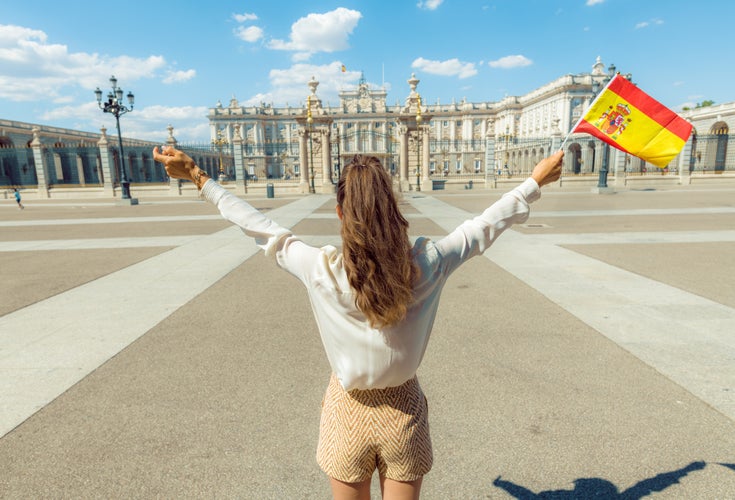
(151, 351)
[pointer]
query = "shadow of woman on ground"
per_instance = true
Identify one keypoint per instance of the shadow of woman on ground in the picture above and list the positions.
(585, 488)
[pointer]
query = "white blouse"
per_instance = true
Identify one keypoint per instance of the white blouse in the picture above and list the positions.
(363, 357)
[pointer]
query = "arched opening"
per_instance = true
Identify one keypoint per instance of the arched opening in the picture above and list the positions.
(575, 157)
(721, 132)
(9, 174)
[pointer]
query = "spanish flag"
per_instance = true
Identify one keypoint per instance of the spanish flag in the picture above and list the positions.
(627, 118)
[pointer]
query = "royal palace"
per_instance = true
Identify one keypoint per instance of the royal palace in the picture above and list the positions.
(424, 145)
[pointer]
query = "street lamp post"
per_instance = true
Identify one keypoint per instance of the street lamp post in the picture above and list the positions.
(418, 142)
(219, 143)
(507, 138)
(310, 121)
(114, 106)
(604, 168)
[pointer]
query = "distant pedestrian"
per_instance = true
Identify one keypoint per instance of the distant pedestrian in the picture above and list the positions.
(374, 301)
(17, 199)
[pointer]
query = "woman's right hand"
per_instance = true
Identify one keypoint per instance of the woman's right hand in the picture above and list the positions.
(177, 163)
(549, 169)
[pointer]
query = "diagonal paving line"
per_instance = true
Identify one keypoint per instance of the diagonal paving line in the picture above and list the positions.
(96, 243)
(107, 220)
(724, 236)
(636, 212)
(49, 346)
(684, 336)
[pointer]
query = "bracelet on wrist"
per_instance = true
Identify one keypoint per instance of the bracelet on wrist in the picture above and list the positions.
(198, 177)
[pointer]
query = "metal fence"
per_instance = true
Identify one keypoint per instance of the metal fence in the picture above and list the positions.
(710, 153)
(281, 161)
(76, 165)
(17, 167)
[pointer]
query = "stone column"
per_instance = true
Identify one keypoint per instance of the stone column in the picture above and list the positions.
(38, 159)
(304, 160)
(426, 184)
(241, 183)
(618, 165)
(490, 170)
(108, 169)
(403, 157)
(556, 144)
(325, 137)
(685, 156)
(587, 159)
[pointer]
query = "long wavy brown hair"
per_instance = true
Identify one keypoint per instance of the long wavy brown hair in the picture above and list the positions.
(375, 244)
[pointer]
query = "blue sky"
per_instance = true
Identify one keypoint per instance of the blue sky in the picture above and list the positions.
(180, 57)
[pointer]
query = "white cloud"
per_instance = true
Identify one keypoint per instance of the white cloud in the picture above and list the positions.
(241, 18)
(249, 34)
(450, 67)
(508, 62)
(290, 85)
(33, 69)
(301, 56)
(172, 113)
(179, 76)
(594, 2)
(190, 123)
(148, 123)
(10, 35)
(645, 24)
(429, 4)
(326, 32)
(88, 111)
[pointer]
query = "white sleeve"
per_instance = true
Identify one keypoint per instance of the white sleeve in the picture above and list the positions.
(277, 242)
(474, 236)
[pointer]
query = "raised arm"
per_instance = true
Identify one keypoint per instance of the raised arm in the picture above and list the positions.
(267, 233)
(474, 236)
(276, 241)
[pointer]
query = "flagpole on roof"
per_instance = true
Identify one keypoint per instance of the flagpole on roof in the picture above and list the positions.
(581, 116)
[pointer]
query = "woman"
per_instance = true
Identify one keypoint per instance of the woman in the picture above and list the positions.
(374, 303)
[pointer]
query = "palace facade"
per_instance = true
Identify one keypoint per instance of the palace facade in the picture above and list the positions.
(421, 143)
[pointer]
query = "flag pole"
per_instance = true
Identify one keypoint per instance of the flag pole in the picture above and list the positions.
(581, 116)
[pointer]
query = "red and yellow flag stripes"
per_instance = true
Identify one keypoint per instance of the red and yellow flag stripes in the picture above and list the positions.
(629, 119)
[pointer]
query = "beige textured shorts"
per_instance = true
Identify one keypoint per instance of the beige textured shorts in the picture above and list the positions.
(387, 429)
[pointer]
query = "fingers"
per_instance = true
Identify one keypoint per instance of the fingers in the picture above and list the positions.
(162, 155)
(557, 158)
(549, 169)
